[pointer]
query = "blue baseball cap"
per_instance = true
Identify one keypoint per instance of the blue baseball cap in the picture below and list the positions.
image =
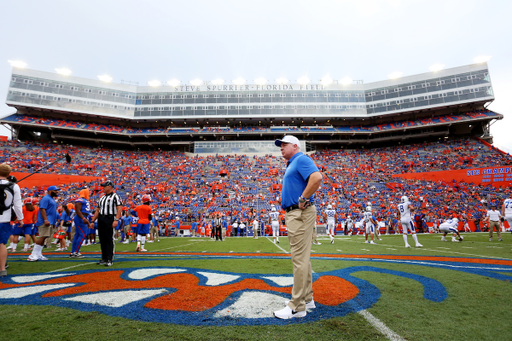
(53, 188)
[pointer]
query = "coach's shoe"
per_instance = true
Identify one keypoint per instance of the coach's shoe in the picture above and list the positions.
(500, 240)
(419, 245)
(32, 258)
(287, 313)
(102, 262)
(3, 273)
(309, 305)
(407, 245)
(109, 263)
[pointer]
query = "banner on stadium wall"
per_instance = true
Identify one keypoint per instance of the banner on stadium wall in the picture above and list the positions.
(45, 180)
(497, 176)
(3, 138)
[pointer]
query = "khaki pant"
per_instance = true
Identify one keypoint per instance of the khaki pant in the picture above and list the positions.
(300, 225)
(492, 225)
(154, 231)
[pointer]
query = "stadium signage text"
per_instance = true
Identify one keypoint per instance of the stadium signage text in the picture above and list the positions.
(488, 171)
(274, 87)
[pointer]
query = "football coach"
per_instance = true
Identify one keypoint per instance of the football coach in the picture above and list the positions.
(300, 182)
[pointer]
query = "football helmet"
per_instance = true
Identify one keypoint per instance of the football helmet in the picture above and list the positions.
(146, 198)
(404, 199)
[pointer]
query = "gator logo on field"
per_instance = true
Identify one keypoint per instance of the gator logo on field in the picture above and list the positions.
(199, 297)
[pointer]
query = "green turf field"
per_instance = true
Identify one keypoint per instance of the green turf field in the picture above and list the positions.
(199, 289)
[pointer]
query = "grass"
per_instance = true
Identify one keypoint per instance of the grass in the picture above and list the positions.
(476, 306)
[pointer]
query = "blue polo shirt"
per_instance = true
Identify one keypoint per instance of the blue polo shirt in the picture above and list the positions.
(299, 168)
(50, 207)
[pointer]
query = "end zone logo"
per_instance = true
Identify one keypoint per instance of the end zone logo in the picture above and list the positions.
(199, 297)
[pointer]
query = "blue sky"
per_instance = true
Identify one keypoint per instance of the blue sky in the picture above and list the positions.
(366, 40)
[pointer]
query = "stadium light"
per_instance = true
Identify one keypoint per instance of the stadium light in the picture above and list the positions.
(174, 82)
(346, 81)
(105, 78)
(303, 80)
(18, 64)
(326, 80)
(239, 81)
(260, 81)
(436, 67)
(218, 81)
(154, 83)
(63, 71)
(196, 82)
(482, 59)
(394, 75)
(282, 80)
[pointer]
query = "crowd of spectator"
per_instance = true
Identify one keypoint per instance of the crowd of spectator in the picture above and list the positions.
(239, 187)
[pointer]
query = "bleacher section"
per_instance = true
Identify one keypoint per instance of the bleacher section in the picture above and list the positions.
(193, 188)
(116, 129)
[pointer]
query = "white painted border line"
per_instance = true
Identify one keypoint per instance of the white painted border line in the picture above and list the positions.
(71, 267)
(380, 326)
(268, 238)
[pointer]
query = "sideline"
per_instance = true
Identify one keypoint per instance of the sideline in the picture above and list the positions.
(278, 246)
(448, 250)
(71, 267)
(380, 326)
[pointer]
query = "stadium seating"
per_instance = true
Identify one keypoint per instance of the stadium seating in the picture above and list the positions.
(192, 187)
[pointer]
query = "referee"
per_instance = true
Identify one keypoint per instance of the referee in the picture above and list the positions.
(108, 214)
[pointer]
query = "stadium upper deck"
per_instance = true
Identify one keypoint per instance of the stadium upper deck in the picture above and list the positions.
(423, 96)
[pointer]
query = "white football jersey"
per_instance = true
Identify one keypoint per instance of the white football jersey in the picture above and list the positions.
(274, 216)
(405, 211)
(330, 214)
(349, 221)
(508, 207)
(452, 222)
(367, 216)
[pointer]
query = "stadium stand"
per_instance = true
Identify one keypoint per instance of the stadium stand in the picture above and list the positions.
(194, 187)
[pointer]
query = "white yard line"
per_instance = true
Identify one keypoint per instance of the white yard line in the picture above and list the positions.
(277, 246)
(172, 247)
(380, 326)
(71, 267)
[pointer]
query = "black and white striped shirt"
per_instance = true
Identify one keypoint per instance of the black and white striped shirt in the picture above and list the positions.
(108, 204)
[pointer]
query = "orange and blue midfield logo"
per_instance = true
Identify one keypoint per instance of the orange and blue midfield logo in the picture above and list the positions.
(190, 296)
